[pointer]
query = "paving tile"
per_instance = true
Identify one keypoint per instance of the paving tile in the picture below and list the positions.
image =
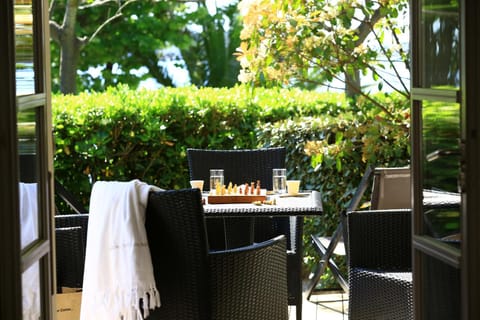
(325, 306)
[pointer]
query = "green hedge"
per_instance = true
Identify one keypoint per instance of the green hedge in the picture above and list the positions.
(341, 148)
(123, 134)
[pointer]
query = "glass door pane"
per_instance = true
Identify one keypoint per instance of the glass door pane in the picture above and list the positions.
(24, 47)
(436, 145)
(440, 41)
(31, 292)
(27, 145)
(441, 210)
(441, 158)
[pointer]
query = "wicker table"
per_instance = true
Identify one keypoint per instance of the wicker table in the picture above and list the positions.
(294, 208)
(305, 204)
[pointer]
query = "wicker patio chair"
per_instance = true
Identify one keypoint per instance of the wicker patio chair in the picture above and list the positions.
(243, 165)
(70, 257)
(71, 241)
(73, 220)
(194, 283)
(380, 264)
(247, 165)
(390, 190)
(240, 166)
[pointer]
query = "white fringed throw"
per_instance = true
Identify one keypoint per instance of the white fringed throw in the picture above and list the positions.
(118, 268)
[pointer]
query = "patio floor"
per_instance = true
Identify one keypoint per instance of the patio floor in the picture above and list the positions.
(324, 306)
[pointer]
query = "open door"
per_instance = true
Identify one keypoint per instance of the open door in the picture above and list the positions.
(445, 158)
(25, 162)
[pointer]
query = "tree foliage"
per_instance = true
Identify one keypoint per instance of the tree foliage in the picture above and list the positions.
(133, 41)
(116, 36)
(210, 59)
(314, 42)
(125, 42)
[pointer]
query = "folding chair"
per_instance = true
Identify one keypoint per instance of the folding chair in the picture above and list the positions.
(327, 246)
(386, 182)
(69, 198)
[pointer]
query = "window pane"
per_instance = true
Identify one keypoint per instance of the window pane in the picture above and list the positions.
(440, 44)
(441, 136)
(25, 75)
(27, 144)
(441, 290)
(31, 292)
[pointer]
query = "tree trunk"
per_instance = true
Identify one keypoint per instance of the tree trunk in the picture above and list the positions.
(70, 46)
(352, 77)
(352, 83)
(69, 54)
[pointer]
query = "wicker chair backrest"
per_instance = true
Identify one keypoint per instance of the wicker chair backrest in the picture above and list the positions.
(177, 241)
(240, 166)
(391, 189)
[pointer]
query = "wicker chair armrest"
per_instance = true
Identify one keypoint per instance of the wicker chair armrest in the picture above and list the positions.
(250, 282)
(70, 257)
(380, 239)
(73, 220)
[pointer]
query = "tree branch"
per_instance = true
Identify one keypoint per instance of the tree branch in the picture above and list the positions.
(50, 9)
(98, 3)
(397, 41)
(366, 96)
(367, 25)
(392, 65)
(55, 31)
(403, 93)
(117, 14)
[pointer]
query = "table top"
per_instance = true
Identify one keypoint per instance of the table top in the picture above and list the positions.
(306, 203)
(434, 199)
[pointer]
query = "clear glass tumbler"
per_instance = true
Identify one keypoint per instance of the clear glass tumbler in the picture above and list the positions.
(279, 180)
(216, 177)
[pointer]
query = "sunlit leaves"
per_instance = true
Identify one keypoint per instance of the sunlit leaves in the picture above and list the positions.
(326, 36)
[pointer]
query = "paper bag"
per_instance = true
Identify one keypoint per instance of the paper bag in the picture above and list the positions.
(68, 305)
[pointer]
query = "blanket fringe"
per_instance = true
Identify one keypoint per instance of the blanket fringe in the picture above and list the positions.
(150, 300)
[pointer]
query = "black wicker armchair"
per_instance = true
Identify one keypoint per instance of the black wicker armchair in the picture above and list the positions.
(243, 165)
(390, 190)
(240, 166)
(380, 278)
(70, 257)
(73, 220)
(71, 240)
(243, 283)
(247, 165)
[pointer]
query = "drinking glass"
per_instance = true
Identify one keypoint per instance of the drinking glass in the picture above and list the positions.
(197, 184)
(293, 186)
(279, 180)
(216, 176)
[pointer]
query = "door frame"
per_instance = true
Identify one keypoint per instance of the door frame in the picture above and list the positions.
(10, 284)
(16, 261)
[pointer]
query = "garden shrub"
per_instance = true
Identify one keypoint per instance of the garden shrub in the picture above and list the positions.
(330, 154)
(124, 134)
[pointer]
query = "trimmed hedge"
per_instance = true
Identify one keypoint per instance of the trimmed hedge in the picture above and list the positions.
(341, 148)
(124, 134)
